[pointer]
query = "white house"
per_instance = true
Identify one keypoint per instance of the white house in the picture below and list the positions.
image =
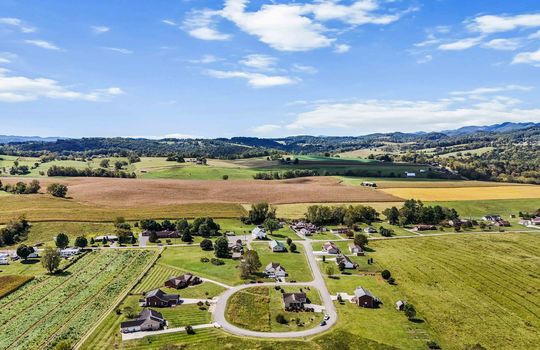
(346, 262)
(258, 233)
(274, 270)
(356, 250)
(408, 174)
(66, 253)
(4, 261)
(277, 246)
(330, 248)
(370, 230)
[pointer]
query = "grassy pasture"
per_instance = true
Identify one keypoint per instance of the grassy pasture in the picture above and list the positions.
(383, 183)
(480, 208)
(472, 289)
(466, 193)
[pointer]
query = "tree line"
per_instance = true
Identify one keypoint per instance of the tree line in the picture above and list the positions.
(289, 174)
(15, 231)
(339, 215)
(56, 170)
(415, 212)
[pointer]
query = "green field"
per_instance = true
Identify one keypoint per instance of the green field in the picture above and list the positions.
(294, 263)
(188, 259)
(472, 289)
(479, 208)
(61, 309)
(256, 309)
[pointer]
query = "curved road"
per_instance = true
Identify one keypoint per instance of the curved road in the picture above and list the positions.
(318, 282)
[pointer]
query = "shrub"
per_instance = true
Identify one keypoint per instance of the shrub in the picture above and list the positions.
(205, 260)
(432, 344)
(217, 262)
(391, 280)
(206, 244)
(190, 330)
(225, 177)
(386, 274)
(281, 319)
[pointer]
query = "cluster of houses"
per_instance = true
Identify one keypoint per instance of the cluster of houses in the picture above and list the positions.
(6, 257)
(151, 320)
(305, 228)
(495, 220)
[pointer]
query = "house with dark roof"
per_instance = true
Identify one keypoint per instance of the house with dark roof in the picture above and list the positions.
(183, 281)
(364, 298)
(158, 298)
(346, 261)
(274, 270)
(162, 234)
(294, 300)
(491, 217)
(148, 320)
(330, 248)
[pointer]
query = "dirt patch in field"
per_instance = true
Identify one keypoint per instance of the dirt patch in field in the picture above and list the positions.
(136, 192)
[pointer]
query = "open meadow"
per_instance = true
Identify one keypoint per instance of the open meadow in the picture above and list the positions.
(466, 193)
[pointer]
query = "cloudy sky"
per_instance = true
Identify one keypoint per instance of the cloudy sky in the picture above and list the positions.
(221, 68)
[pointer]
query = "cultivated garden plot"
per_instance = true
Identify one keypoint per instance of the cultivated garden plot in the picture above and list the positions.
(65, 306)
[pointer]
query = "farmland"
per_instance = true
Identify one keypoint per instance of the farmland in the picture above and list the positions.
(10, 283)
(472, 289)
(466, 193)
(61, 310)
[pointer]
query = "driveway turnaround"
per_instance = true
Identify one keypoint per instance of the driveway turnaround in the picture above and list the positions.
(318, 282)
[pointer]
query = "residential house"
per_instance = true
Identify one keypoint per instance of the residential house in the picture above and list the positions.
(364, 298)
(158, 298)
(408, 174)
(274, 270)
(369, 184)
(148, 320)
(330, 248)
(258, 233)
(236, 255)
(370, 230)
(341, 230)
(400, 304)
(236, 246)
(183, 281)
(502, 223)
(69, 252)
(110, 238)
(294, 300)
(4, 259)
(346, 262)
(491, 218)
(424, 227)
(277, 246)
(356, 250)
(163, 234)
(304, 228)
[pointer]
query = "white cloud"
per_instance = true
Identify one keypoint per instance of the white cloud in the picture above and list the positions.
(266, 129)
(100, 29)
(43, 44)
(410, 115)
(206, 59)
(258, 61)
(534, 36)
(342, 48)
(425, 59)
(119, 50)
(528, 57)
(169, 22)
(462, 44)
(503, 44)
(7, 57)
(488, 24)
(201, 24)
(430, 40)
(256, 80)
(20, 89)
(304, 69)
(17, 23)
(492, 90)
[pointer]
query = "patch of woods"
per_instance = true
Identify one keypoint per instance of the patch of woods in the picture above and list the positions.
(203, 226)
(415, 212)
(54, 189)
(15, 231)
(282, 175)
(56, 170)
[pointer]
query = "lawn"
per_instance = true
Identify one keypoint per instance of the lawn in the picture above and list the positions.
(256, 309)
(472, 288)
(384, 324)
(188, 259)
(294, 263)
(158, 274)
(45, 232)
(479, 208)
(61, 309)
(31, 267)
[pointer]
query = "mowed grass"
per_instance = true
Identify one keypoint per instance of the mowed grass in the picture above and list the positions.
(8, 284)
(158, 274)
(189, 259)
(387, 182)
(472, 289)
(294, 263)
(44, 232)
(384, 324)
(256, 309)
(477, 209)
(45, 208)
(298, 210)
(466, 193)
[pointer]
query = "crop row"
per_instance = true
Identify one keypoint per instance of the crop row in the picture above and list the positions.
(68, 305)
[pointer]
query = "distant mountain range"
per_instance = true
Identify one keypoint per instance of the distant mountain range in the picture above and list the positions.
(280, 143)
(496, 128)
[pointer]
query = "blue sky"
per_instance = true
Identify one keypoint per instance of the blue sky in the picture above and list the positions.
(227, 68)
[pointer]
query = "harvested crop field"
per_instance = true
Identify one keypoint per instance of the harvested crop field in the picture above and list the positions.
(9, 284)
(124, 193)
(466, 193)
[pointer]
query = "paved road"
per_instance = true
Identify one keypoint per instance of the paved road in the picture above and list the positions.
(318, 282)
